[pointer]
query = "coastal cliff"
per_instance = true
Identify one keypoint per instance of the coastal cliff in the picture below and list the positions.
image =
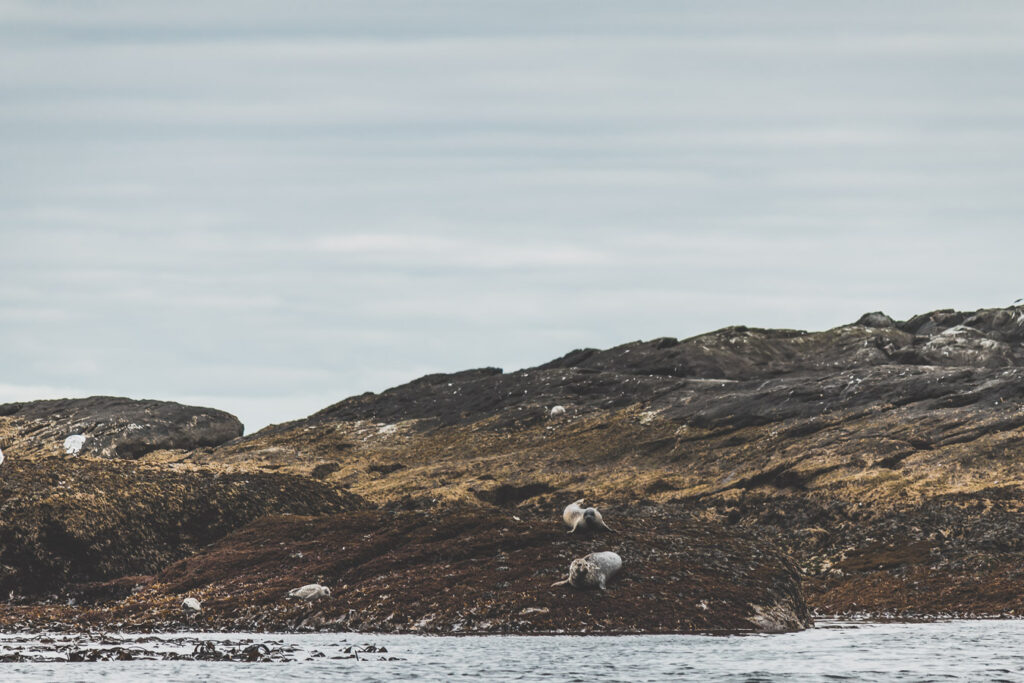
(872, 468)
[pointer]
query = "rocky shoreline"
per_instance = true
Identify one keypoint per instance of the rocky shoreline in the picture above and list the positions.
(754, 476)
(453, 571)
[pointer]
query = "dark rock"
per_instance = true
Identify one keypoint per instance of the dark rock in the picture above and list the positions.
(510, 494)
(323, 469)
(385, 468)
(114, 427)
(876, 319)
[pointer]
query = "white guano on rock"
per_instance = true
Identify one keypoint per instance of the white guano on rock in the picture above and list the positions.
(73, 444)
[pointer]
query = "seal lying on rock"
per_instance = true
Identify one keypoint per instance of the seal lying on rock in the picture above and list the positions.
(578, 518)
(596, 569)
(311, 591)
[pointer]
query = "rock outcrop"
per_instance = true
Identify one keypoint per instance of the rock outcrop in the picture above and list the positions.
(114, 427)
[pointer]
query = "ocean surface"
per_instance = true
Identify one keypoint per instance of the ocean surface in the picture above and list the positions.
(833, 651)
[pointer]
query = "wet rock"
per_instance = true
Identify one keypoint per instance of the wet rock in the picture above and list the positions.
(781, 617)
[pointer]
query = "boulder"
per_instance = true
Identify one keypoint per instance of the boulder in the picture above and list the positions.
(114, 427)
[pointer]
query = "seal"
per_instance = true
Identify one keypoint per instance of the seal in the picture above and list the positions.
(578, 518)
(594, 570)
(311, 591)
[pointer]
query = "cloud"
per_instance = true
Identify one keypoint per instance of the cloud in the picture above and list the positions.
(12, 393)
(243, 201)
(410, 249)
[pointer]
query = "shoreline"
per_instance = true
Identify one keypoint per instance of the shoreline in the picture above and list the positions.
(820, 622)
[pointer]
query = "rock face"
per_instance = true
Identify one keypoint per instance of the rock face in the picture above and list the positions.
(113, 427)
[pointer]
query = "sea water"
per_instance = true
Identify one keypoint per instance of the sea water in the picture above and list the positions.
(833, 651)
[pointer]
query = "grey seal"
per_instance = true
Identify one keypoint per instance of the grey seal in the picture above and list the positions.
(583, 519)
(594, 570)
(311, 591)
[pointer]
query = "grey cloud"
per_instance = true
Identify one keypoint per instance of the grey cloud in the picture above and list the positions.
(270, 206)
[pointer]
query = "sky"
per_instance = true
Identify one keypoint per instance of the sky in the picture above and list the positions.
(266, 207)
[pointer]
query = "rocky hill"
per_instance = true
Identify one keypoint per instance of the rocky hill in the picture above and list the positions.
(885, 456)
(875, 467)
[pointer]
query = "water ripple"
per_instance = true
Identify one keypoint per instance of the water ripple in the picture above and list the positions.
(835, 651)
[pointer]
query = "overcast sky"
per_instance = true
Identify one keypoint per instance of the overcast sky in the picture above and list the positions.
(267, 207)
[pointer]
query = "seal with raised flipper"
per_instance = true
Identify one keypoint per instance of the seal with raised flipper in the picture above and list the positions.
(593, 571)
(579, 518)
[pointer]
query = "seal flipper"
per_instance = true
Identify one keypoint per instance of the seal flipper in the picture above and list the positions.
(560, 583)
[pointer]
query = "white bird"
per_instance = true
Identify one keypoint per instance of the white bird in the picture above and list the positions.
(312, 591)
(1, 456)
(191, 606)
(73, 444)
(556, 411)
